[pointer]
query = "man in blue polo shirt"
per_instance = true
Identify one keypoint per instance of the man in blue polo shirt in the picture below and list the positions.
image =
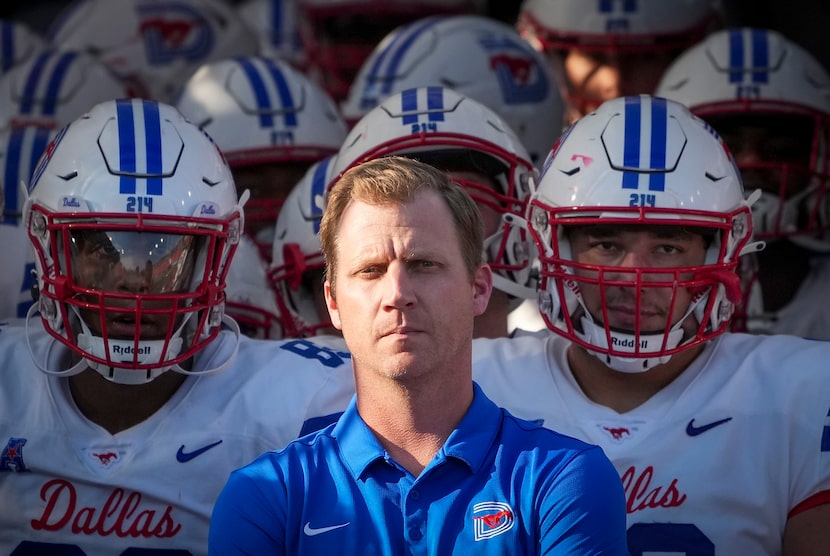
(421, 462)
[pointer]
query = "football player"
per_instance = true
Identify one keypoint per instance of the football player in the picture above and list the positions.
(770, 101)
(148, 395)
(720, 438)
(604, 49)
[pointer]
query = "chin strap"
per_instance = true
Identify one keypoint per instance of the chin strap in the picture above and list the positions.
(627, 343)
(119, 348)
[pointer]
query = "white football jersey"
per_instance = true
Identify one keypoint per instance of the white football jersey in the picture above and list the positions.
(711, 464)
(16, 278)
(70, 487)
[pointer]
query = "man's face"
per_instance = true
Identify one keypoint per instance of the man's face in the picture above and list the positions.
(404, 298)
(625, 298)
(123, 267)
(593, 78)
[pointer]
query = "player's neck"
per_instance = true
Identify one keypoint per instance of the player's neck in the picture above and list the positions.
(492, 323)
(619, 391)
(117, 407)
(413, 423)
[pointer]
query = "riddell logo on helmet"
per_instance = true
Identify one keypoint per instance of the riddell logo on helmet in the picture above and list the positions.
(130, 350)
(627, 343)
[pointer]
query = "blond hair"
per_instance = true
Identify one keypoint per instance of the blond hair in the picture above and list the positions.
(396, 180)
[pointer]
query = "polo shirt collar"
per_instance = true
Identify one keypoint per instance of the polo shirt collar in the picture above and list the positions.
(470, 442)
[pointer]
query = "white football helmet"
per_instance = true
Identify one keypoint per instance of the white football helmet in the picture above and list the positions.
(19, 44)
(263, 111)
(481, 58)
(250, 299)
(618, 25)
(20, 149)
(648, 161)
(153, 44)
(54, 88)
(134, 218)
(277, 28)
(338, 35)
(454, 132)
(741, 76)
(639, 36)
(297, 251)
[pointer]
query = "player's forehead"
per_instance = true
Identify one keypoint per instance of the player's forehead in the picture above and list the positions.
(652, 231)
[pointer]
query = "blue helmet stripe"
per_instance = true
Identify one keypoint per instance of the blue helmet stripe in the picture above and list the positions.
(152, 142)
(276, 37)
(631, 147)
(14, 150)
(31, 83)
(260, 94)
(55, 81)
(318, 188)
(7, 47)
(126, 146)
(435, 101)
(607, 6)
(38, 146)
(736, 56)
(289, 109)
(659, 129)
(760, 56)
(409, 103)
(399, 53)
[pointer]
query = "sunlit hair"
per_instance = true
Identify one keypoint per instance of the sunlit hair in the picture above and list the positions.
(397, 180)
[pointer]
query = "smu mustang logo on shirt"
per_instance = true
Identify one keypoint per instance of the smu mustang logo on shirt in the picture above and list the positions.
(491, 519)
(11, 458)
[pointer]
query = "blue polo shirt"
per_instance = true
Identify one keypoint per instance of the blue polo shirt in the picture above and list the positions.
(500, 485)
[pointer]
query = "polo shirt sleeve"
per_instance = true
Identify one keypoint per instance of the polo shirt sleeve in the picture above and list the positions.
(583, 510)
(249, 515)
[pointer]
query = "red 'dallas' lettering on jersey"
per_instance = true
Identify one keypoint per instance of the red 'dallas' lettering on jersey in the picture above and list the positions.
(121, 514)
(640, 495)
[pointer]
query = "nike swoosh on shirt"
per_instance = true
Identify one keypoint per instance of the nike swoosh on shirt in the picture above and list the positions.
(184, 457)
(692, 430)
(311, 531)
